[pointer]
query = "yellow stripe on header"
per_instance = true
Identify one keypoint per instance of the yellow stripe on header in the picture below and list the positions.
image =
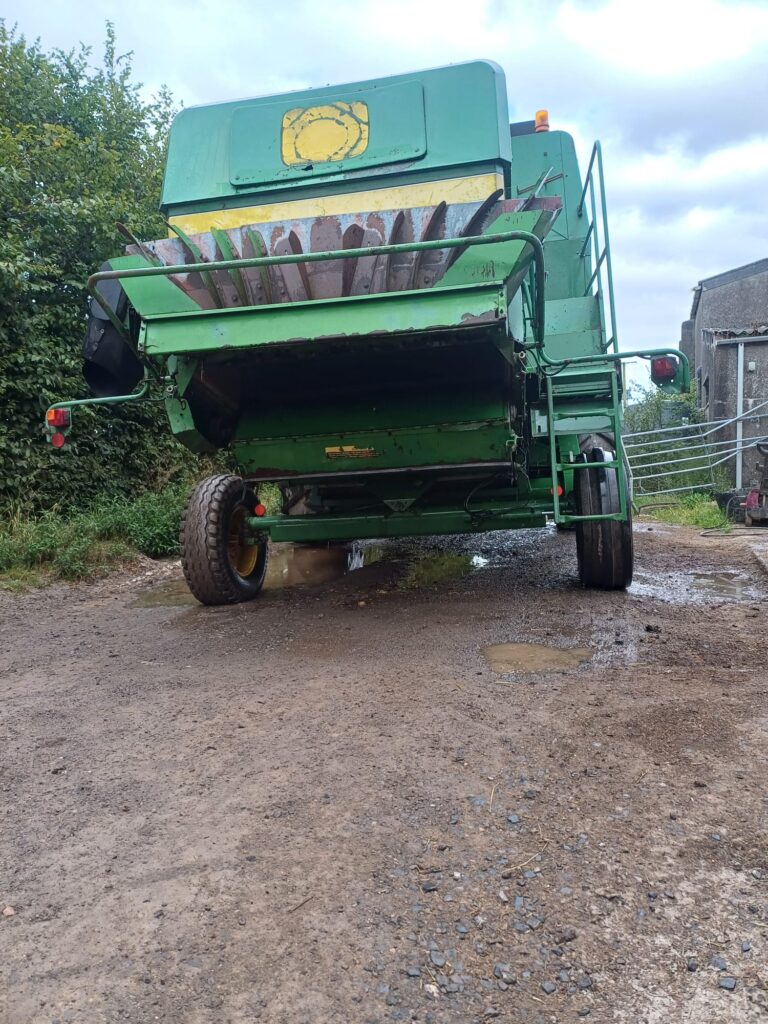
(399, 197)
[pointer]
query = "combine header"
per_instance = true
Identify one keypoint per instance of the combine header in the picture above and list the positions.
(387, 301)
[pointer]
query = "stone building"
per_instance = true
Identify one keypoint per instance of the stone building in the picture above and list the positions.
(726, 341)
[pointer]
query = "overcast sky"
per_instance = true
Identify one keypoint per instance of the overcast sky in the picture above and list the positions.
(677, 90)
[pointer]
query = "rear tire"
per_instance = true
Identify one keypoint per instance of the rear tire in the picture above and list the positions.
(218, 566)
(605, 549)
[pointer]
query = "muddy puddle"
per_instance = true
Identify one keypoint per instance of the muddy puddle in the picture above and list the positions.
(289, 566)
(534, 657)
(677, 588)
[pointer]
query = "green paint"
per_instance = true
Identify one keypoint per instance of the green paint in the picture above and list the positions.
(228, 154)
(498, 369)
(359, 316)
(396, 126)
(410, 524)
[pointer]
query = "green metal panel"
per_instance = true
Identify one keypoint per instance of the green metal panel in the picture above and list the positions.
(554, 154)
(573, 327)
(372, 450)
(361, 315)
(408, 524)
(158, 294)
(466, 126)
(396, 132)
(538, 153)
(498, 262)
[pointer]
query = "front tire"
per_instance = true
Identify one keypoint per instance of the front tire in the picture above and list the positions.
(219, 566)
(604, 547)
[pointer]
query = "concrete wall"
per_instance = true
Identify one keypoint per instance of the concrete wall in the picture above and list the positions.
(736, 301)
(686, 341)
(738, 304)
(725, 364)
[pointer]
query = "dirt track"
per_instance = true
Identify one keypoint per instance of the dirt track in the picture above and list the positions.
(312, 809)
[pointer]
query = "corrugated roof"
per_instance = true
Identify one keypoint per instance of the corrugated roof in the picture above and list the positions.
(726, 332)
(728, 337)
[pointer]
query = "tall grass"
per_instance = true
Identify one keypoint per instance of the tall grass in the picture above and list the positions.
(72, 544)
(80, 545)
(694, 509)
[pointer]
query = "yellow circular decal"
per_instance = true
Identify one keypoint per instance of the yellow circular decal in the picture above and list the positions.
(333, 131)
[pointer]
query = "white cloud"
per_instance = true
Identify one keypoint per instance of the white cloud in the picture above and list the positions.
(667, 38)
(676, 89)
(673, 168)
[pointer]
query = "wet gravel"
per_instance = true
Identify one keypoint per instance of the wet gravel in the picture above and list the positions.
(328, 806)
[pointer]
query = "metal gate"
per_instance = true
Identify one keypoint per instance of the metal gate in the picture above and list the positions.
(673, 460)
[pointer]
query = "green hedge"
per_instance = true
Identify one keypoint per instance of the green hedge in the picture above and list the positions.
(76, 545)
(79, 151)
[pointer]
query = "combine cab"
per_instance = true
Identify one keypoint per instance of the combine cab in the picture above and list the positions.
(387, 301)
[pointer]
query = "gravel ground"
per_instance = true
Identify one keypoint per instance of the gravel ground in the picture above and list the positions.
(327, 806)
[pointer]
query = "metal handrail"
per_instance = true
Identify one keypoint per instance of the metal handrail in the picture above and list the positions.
(600, 255)
(317, 257)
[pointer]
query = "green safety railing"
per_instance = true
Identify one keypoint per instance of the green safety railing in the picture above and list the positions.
(592, 238)
(537, 313)
(317, 257)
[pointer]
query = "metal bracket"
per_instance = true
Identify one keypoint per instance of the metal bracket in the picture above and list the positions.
(135, 396)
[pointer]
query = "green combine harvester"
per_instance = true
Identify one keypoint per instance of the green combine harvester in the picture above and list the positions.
(389, 302)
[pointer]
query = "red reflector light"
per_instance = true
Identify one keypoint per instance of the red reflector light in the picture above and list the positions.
(260, 510)
(663, 368)
(58, 440)
(559, 490)
(58, 418)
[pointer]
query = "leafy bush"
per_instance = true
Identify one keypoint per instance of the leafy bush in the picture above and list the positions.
(80, 545)
(80, 150)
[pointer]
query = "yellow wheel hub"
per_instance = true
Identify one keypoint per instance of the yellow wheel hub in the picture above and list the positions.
(242, 557)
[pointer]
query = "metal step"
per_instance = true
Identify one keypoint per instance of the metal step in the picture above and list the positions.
(592, 381)
(573, 327)
(596, 413)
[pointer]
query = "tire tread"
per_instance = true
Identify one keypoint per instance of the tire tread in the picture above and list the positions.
(203, 543)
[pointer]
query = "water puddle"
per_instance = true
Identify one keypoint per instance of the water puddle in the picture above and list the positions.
(289, 566)
(166, 595)
(680, 588)
(730, 585)
(535, 657)
(434, 568)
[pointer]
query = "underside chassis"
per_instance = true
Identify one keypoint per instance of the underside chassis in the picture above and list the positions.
(424, 436)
